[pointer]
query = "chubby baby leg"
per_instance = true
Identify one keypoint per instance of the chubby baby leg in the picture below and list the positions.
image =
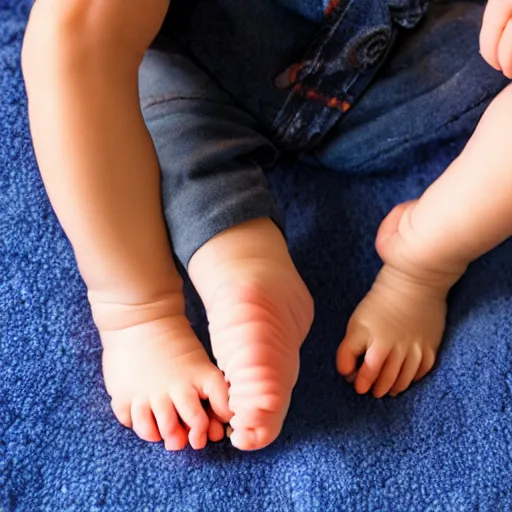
(259, 313)
(426, 246)
(105, 188)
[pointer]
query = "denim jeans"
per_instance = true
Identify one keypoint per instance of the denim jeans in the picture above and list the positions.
(349, 85)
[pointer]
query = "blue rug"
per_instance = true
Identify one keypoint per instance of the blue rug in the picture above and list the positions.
(445, 445)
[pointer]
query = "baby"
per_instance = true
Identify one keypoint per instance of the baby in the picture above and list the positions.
(201, 148)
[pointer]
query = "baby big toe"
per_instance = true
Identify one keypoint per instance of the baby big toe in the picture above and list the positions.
(251, 438)
(255, 429)
(263, 396)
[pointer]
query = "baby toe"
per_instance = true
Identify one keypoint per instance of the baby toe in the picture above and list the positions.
(216, 430)
(172, 432)
(427, 363)
(215, 390)
(188, 406)
(371, 368)
(176, 442)
(144, 424)
(122, 411)
(408, 371)
(351, 348)
(389, 373)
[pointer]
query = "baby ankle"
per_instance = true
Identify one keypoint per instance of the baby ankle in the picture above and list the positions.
(114, 311)
(409, 251)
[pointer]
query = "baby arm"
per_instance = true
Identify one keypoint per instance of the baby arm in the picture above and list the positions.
(80, 62)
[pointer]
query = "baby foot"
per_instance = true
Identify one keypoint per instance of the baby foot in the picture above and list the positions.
(399, 325)
(258, 321)
(259, 313)
(157, 373)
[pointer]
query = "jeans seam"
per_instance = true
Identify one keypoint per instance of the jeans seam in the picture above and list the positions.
(160, 100)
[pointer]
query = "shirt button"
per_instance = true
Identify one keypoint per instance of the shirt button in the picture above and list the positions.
(364, 50)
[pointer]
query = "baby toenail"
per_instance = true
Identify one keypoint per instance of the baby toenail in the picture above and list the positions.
(172, 445)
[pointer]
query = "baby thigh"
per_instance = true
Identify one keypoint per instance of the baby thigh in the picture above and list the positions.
(211, 152)
(434, 87)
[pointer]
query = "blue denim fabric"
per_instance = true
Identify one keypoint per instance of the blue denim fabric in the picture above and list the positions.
(335, 47)
(211, 152)
(351, 85)
(434, 86)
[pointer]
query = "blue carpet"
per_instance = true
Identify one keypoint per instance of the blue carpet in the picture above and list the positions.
(444, 445)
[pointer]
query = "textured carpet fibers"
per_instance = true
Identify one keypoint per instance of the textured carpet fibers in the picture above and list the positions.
(444, 445)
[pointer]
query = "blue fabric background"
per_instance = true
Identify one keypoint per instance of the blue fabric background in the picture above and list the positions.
(444, 445)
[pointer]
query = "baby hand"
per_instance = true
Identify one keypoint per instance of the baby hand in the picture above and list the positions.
(496, 36)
